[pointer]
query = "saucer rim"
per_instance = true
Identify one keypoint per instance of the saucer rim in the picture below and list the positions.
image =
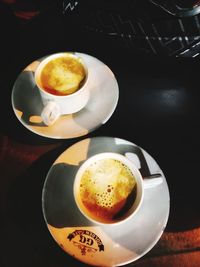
(77, 135)
(164, 224)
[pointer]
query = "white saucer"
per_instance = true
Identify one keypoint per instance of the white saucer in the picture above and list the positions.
(104, 93)
(110, 245)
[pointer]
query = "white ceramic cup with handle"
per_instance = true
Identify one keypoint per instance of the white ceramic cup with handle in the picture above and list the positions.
(109, 189)
(62, 80)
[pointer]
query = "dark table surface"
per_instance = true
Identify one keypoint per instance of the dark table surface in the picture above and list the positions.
(158, 110)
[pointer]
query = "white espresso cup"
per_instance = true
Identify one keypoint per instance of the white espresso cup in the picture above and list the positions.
(62, 80)
(109, 189)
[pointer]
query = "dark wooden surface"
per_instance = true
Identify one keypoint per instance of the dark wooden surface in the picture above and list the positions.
(158, 110)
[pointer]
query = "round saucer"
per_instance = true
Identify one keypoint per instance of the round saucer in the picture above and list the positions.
(104, 93)
(103, 245)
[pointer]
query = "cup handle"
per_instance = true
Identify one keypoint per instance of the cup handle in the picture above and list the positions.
(50, 113)
(152, 181)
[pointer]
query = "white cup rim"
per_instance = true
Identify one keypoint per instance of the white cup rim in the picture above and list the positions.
(57, 55)
(136, 174)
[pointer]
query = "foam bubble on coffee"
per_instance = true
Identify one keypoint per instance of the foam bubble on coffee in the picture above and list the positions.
(62, 75)
(105, 187)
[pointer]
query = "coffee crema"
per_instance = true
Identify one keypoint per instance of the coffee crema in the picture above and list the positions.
(107, 190)
(62, 76)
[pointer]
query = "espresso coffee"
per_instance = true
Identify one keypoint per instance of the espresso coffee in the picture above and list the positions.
(107, 190)
(62, 75)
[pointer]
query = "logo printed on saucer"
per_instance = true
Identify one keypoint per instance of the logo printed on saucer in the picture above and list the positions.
(86, 241)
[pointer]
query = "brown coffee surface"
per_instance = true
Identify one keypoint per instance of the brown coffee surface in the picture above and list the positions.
(105, 188)
(62, 76)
